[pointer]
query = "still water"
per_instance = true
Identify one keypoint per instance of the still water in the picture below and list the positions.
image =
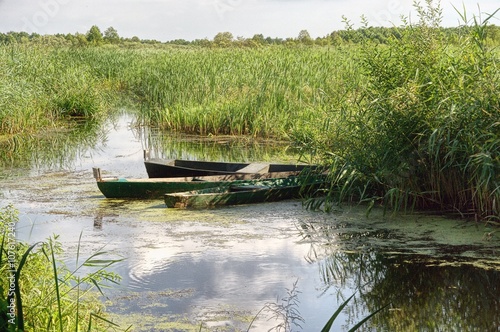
(220, 268)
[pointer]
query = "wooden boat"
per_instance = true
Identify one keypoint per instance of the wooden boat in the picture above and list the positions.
(157, 187)
(161, 168)
(256, 192)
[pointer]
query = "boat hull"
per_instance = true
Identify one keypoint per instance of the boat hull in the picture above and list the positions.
(235, 194)
(157, 188)
(160, 168)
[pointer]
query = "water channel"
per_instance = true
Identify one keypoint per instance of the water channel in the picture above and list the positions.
(218, 268)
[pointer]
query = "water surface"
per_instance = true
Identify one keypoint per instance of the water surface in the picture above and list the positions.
(220, 267)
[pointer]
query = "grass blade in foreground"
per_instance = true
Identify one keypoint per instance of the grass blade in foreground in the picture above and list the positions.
(19, 303)
(330, 322)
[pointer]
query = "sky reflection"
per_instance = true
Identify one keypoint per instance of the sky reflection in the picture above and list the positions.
(222, 266)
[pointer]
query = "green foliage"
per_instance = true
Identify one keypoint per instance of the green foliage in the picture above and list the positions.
(40, 85)
(223, 39)
(94, 35)
(268, 92)
(329, 324)
(347, 36)
(305, 38)
(427, 133)
(111, 35)
(48, 295)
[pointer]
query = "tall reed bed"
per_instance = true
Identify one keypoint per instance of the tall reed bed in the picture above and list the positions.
(40, 85)
(427, 133)
(260, 92)
(269, 92)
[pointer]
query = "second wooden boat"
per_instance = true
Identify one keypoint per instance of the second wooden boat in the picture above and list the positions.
(245, 193)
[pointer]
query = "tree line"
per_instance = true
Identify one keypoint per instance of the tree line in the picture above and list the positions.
(381, 35)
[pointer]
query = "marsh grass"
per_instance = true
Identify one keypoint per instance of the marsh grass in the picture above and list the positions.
(40, 85)
(48, 295)
(427, 134)
(260, 92)
(257, 92)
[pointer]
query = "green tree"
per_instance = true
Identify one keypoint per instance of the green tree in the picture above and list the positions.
(304, 37)
(259, 39)
(80, 40)
(111, 35)
(94, 35)
(223, 39)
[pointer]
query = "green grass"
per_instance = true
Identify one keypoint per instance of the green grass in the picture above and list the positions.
(44, 293)
(40, 85)
(427, 134)
(258, 92)
(266, 92)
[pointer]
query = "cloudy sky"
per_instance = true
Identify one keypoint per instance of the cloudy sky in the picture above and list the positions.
(196, 19)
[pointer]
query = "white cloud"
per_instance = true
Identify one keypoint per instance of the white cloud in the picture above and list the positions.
(193, 19)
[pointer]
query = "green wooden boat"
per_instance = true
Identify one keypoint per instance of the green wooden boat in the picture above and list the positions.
(161, 168)
(156, 188)
(245, 193)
